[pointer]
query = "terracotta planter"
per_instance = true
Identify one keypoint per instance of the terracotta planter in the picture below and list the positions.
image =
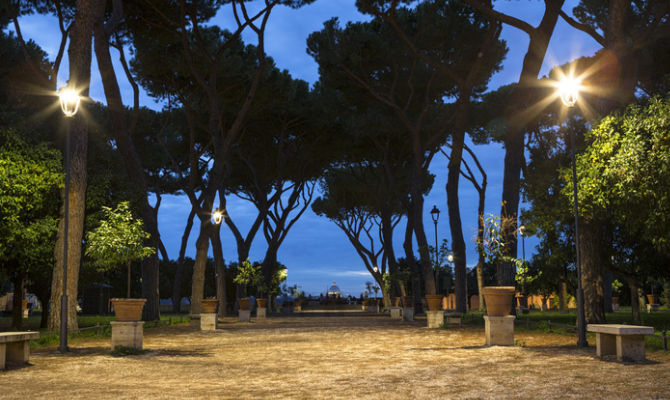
(297, 302)
(408, 301)
(652, 298)
(262, 303)
(209, 306)
(128, 309)
(434, 302)
(615, 300)
(245, 303)
(396, 301)
(498, 300)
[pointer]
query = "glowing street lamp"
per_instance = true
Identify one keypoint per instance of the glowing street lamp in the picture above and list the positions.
(69, 103)
(217, 216)
(569, 89)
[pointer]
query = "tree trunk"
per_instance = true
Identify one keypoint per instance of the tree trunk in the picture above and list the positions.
(592, 259)
(514, 140)
(198, 282)
(220, 269)
(128, 274)
(132, 163)
(563, 305)
(415, 272)
(453, 203)
(424, 253)
(17, 301)
(634, 301)
(79, 54)
(608, 278)
(397, 287)
(179, 272)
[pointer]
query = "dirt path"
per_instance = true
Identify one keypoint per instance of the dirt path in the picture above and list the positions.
(335, 357)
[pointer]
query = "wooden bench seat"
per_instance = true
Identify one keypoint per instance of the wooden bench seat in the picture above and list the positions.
(15, 347)
(626, 341)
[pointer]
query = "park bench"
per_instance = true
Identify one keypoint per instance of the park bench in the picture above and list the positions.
(15, 347)
(626, 341)
(453, 318)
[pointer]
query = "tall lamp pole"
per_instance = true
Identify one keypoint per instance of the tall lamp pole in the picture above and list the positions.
(569, 92)
(435, 215)
(522, 231)
(69, 103)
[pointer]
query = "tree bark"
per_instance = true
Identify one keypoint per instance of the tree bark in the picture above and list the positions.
(591, 245)
(179, 272)
(563, 304)
(414, 268)
(514, 140)
(219, 268)
(453, 203)
(198, 282)
(79, 54)
(132, 162)
(397, 286)
(634, 301)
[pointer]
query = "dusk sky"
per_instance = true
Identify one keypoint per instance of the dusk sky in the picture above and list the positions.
(316, 252)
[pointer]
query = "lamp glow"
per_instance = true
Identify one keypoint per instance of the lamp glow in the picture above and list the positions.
(568, 89)
(218, 216)
(450, 258)
(69, 101)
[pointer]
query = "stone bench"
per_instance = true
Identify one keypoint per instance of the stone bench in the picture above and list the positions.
(626, 341)
(453, 318)
(15, 347)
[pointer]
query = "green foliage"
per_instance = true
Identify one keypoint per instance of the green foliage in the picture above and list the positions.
(616, 286)
(30, 176)
(624, 173)
(492, 244)
(118, 240)
(249, 274)
(524, 276)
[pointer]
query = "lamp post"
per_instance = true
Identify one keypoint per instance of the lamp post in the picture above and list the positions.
(435, 215)
(522, 230)
(569, 92)
(69, 103)
(217, 217)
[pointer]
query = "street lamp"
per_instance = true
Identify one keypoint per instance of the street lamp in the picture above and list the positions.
(435, 214)
(568, 89)
(69, 103)
(217, 217)
(522, 230)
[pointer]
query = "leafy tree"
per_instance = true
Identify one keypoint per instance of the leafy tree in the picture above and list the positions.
(118, 240)
(29, 179)
(623, 176)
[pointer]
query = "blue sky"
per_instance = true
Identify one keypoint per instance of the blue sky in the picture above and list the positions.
(316, 252)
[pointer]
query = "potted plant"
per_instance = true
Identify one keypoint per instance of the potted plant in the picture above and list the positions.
(498, 299)
(434, 302)
(248, 274)
(209, 306)
(119, 240)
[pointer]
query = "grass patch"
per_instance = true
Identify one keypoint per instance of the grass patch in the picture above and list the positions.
(122, 351)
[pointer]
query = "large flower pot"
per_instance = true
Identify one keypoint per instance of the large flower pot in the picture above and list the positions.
(396, 301)
(408, 301)
(498, 300)
(652, 298)
(615, 300)
(434, 302)
(245, 303)
(128, 309)
(261, 303)
(209, 306)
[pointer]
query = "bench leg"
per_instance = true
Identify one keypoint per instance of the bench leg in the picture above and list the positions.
(605, 344)
(3, 355)
(18, 352)
(630, 347)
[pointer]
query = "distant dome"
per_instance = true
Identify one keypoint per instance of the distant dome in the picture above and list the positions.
(334, 291)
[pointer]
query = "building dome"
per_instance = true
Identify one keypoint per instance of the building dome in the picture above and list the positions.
(334, 291)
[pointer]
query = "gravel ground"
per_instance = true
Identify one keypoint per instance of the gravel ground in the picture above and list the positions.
(335, 357)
